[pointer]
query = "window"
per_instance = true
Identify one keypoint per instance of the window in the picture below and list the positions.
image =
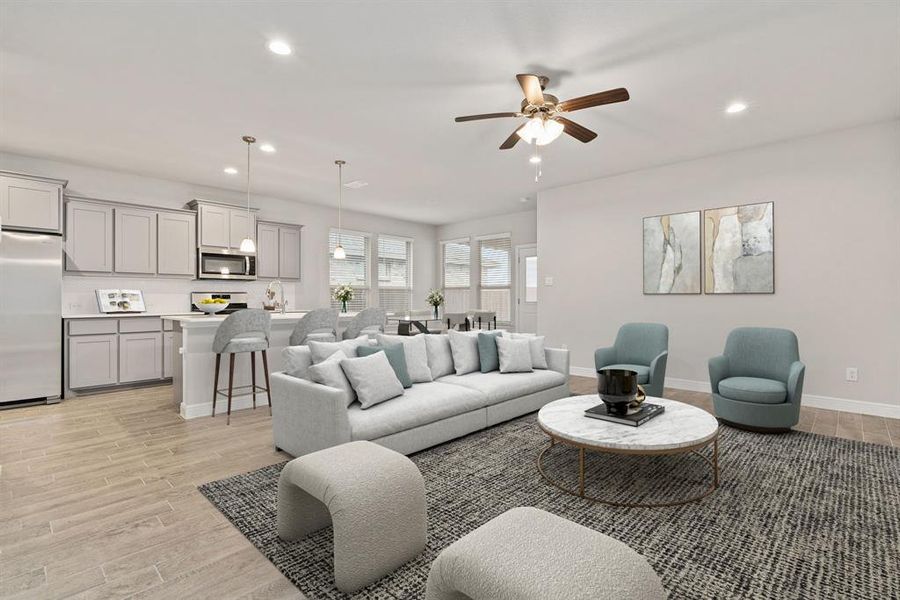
(496, 275)
(353, 270)
(457, 274)
(394, 274)
(531, 286)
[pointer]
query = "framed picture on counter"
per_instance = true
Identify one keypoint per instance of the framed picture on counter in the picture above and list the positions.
(120, 301)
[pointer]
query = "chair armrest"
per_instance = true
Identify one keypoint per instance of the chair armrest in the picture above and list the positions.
(307, 416)
(558, 360)
(658, 369)
(604, 357)
(795, 381)
(718, 370)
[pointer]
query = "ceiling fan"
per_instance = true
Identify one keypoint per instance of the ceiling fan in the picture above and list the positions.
(544, 113)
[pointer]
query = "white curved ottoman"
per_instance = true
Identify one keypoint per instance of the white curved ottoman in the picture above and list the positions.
(375, 498)
(530, 554)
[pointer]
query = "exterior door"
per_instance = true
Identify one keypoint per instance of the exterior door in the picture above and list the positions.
(526, 288)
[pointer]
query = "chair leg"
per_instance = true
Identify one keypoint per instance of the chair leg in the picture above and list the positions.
(265, 355)
(253, 377)
(216, 383)
(230, 386)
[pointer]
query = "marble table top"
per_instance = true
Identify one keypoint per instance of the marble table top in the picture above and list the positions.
(680, 426)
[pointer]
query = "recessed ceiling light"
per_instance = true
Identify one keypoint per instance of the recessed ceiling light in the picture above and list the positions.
(230, 170)
(535, 160)
(280, 47)
(523, 199)
(267, 148)
(356, 184)
(736, 107)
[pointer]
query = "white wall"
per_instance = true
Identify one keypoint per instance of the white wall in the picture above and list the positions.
(173, 294)
(837, 261)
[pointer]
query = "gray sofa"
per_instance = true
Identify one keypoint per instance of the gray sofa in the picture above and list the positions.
(308, 416)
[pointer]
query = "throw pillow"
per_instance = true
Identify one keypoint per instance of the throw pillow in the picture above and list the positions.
(396, 356)
(416, 354)
(329, 372)
(515, 355)
(487, 351)
(322, 350)
(464, 347)
(297, 361)
(440, 357)
(536, 345)
(373, 379)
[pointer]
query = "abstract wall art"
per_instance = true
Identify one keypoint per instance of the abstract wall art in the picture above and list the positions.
(672, 254)
(739, 249)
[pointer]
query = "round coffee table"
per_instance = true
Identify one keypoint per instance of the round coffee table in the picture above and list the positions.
(681, 429)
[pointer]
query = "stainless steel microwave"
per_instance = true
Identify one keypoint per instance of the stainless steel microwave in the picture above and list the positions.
(221, 263)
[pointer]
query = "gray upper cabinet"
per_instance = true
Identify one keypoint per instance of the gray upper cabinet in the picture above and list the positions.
(240, 226)
(177, 245)
(278, 250)
(89, 237)
(289, 252)
(215, 229)
(31, 204)
(135, 234)
(267, 250)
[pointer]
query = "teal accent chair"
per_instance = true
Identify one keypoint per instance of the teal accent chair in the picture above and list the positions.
(642, 348)
(758, 381)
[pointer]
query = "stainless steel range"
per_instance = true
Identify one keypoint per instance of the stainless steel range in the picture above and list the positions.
(236, 300)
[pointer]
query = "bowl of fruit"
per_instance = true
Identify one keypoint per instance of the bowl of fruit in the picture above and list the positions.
(212, 305)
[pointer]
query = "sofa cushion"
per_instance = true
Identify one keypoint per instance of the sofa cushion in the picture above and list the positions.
(515, 355)
(488, 358)
(373, 379)
(538, 356)
(322, 350)
(753, 389)
(422, 404)
(416, 354)
(297, 361)
(440, 357)
(396, 356)
(465, 351)
(499, 387)
(643, 373)
(329, 372)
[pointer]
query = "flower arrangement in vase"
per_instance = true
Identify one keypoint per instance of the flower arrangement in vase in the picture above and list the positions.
(343, 294)
(436, 299)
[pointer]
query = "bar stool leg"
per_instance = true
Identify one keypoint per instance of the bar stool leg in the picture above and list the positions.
(216, 383)
(253, 377)
(265, 355)
(230, 385)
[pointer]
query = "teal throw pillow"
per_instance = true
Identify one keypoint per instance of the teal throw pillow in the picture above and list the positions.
(487, 351)
(397, 357)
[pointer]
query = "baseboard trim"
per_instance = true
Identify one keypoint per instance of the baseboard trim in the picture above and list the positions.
(194, 411)
(863, 407)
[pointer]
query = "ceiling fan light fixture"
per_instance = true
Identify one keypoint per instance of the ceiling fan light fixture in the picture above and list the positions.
(540, 130)
(552, 130)
(535, 160)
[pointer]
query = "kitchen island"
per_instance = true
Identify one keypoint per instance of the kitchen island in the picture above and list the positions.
(195, 362)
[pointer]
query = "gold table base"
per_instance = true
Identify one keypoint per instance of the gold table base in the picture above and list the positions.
(713, 463)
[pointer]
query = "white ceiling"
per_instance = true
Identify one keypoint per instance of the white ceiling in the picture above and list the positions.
(167, 89)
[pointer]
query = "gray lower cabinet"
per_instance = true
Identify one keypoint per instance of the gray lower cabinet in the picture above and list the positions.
(89, 237)
(168, 353)
(93, 360)
(140, 357)
(278, 250)
(31, 203)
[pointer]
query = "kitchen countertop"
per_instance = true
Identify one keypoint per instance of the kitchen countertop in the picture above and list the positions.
(122, 315)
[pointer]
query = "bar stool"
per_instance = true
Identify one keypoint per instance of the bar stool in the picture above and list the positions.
(243, 331)
(485, 316)
(319, 325)
(457, 320)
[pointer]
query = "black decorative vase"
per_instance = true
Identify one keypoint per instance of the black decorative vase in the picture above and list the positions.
(617, 389)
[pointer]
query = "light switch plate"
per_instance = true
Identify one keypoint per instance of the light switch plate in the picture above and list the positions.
(548, 281)
(852, 374)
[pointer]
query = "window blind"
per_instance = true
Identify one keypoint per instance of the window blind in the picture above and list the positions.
(457, 264)
(394, 274)
(496, 275)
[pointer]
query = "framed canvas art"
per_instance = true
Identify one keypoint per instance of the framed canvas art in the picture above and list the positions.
(672, 254)
(739, 249)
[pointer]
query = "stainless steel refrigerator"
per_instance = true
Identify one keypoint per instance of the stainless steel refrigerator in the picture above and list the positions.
(30, 317)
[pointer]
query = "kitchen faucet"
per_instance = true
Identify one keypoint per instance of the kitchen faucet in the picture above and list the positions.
(270, 293)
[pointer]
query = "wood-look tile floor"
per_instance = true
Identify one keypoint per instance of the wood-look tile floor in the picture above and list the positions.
(98, 496)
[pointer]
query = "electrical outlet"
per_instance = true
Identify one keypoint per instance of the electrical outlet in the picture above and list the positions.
(852, 374)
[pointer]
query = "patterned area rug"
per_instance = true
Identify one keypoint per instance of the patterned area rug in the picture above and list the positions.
(796, 516)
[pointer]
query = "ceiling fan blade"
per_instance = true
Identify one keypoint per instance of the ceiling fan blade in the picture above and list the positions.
(582, 134)
(512, 140)
(485, 116)
(531, 85)
(607, 97)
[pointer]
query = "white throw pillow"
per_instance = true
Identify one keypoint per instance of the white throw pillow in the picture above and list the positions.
(536, 342)
(297, 361)
(515, 355)
(322, 350)
(416, 354)
(440, 357)
(464, 346)
(373, 379)
(329, 372)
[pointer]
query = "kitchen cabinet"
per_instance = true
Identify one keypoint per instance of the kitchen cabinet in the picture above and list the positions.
(177, 246)
(278, 250)
(135, 235)
(168, 353)
(93, 360)
(140, 356)
(241, 225)
(89, 237)
(31, 203)
(223, 225)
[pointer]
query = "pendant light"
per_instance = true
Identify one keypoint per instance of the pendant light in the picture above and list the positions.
(339, 252)
(247, 244)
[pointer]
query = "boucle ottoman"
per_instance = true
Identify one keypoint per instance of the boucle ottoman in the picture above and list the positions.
(530, 554)
(375, 499)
